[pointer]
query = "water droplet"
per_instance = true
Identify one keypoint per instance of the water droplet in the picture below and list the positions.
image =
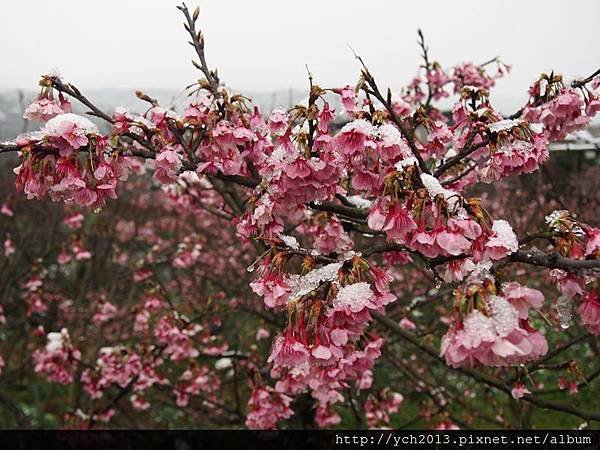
(252, 266)
(564, 309)
(438, 284)
(97, 210)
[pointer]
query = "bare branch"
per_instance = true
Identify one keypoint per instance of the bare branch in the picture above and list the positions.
(553, 261)
(198, 44)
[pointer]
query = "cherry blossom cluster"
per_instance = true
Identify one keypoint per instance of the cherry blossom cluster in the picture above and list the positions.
(52, 165)
(267, 407)
(558, 108)
(492, 326)
(58, 359)
(378, 408)
(578, 241)
(328, 311)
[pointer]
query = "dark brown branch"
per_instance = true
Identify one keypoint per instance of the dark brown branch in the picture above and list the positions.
(490, 61)
(580, 83)
(462, 154)
(532, 257)
(198, 44)
(18, 413)
(427, 66)
(72, 91)
(557, 351)
(460, 176)
(347, 211)
(408, 134)
(8, 147)
(553, 261)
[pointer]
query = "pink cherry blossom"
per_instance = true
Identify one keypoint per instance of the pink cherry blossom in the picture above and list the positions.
(522, 298)
(502, 242)
(6, 210)
(519, 390)
(348, 96)
(589, 311)
(379, 408)
(266, 408)
(499, 339)
(44, 108)
(58, 359)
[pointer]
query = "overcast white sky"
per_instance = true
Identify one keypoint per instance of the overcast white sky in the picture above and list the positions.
(264, 45)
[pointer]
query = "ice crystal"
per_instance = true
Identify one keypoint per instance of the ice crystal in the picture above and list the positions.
(355, 297)
(361, 126)
(504, 314)
(290, 241)
(54, 125)
(434, 187)
(504, 236)
(503, 125)
(359, 202)
(313, 279)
